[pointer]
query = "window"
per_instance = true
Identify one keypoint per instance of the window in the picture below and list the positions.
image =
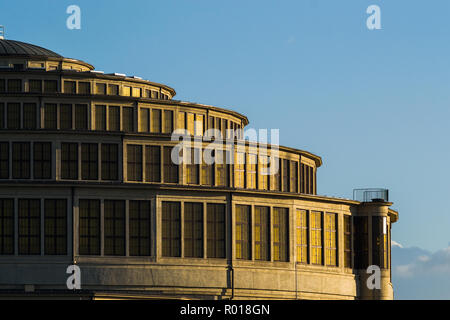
(6, 226)
(128, 119)
(379, 242)
(316, 237)
(81, 117)
(190, 122)
(192, 166)
(70, 87)
(136, 92)
(13, 116)
(89, 161)
(114, 119)
(222, 172)
(239, 171)
(2, 115)
(193, 230)
(293, 173)
(152, 164)
(65, 113)
(126, 91)
(50, 118)
(2, 85)
(207, 174)
(100, 88)
(215, 230)
(42, 166)
(29, 226)
(114, 227)
(113, 89)
(262, 238)
(347, 241)
(14, 85)
(361, 229)
(199, 125)
(243, 236)
(110, 155)
(280, 234)
(181, 120)
(21, 160)
(145, 119)
(170, 168)
(168, 121)
(251, 171)
(35, 86)
(50, 86)
(84, 88)
(55, 226)
(134, 162)
(140, 232)
(29, 116)
(69, 161)
(263, 176)
(100, 118)
(89, 228)
(155, 94)
(277, 175)
(218, 127)
(4, 160)
(330, 239)
(302, 236)
(171, 229)
(156, 120)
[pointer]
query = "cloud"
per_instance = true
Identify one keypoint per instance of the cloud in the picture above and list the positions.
(396, 244)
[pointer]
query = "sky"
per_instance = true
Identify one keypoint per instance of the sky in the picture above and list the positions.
(374, 104)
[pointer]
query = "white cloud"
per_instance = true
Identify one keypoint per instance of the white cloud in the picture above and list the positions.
(396, 244)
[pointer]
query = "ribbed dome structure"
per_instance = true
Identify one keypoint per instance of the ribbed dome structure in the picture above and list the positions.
(12, 47)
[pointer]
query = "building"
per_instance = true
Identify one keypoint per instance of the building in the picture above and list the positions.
(87, 179)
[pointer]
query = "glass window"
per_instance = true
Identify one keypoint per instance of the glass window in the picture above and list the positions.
(280, 234)
(170, 168)
(114, 227)
(251, 171)
(293, 173)
(347, 241)
(285, 175)
(330, 239)
(21, 160)
(128, 119)
(100, 88)
(192, 167)
(69, 161)
(126, 91)
(302, 236)
(65, 113)
(50, 117)
(263, 177)
(171, 229)
(193, 230)
(199, 124)
(181, 120)
(110, 158)
(136, 92)
(50, 86)
(4, 160)
(6, 226)
(134, 162)
(239, 170)
(262, 238)
(243, 236)
(70, 87)
(29, 226)
(81, 117)
(14, 85)
(42, 160)
(35, 86)
(207, 174)
(140, 231)
(215, 230)
(2, 85)
(361, 243)
(222, 172)
(100, 118)
(13, 116)
(113, 89)
(55, 227)
(84, 88)
(89, 161)
(145, 119)
(89, 228)
(156, 120)
(316, 237)
(2, 115)
(190, 121)
(168, 121)
(152, 164)
(277, 175)
(114, 118)
(29, 116)
(379, 242)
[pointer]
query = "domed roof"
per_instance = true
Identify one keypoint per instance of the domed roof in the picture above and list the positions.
(14, 48)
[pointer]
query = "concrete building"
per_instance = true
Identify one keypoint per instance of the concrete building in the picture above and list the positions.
(87, 178)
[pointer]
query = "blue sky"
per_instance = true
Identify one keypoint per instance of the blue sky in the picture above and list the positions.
(373, 104)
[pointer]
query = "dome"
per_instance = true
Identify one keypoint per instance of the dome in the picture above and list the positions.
(18, 48)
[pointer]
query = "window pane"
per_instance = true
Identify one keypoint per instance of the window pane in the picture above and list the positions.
(81, 117)
(193, 230)
(280, 234)
(114, 227)
(50, 86)
(69, 161)
(89, 227)
(302, 236)
(13, 116)
(70, 87)
(128, 119)
(140, 231)
(65, 113)
(171, 229)
(100, 118)
(29, 116)
(84, 88)
(89, 161)
(156, 120)
(152, 164)
(243, 236)
(29, 226)
(21, 160)
(50, 118)
(55, 227)
(215, 230)
(14, 85)
(42, 165)
(262, 225)
(35, 86)
(110, 158)
(134, 163)
(6, 226)
(114, 119)
(170, 168)
(4, 160)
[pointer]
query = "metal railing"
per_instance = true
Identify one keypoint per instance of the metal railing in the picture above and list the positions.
(371, 194)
